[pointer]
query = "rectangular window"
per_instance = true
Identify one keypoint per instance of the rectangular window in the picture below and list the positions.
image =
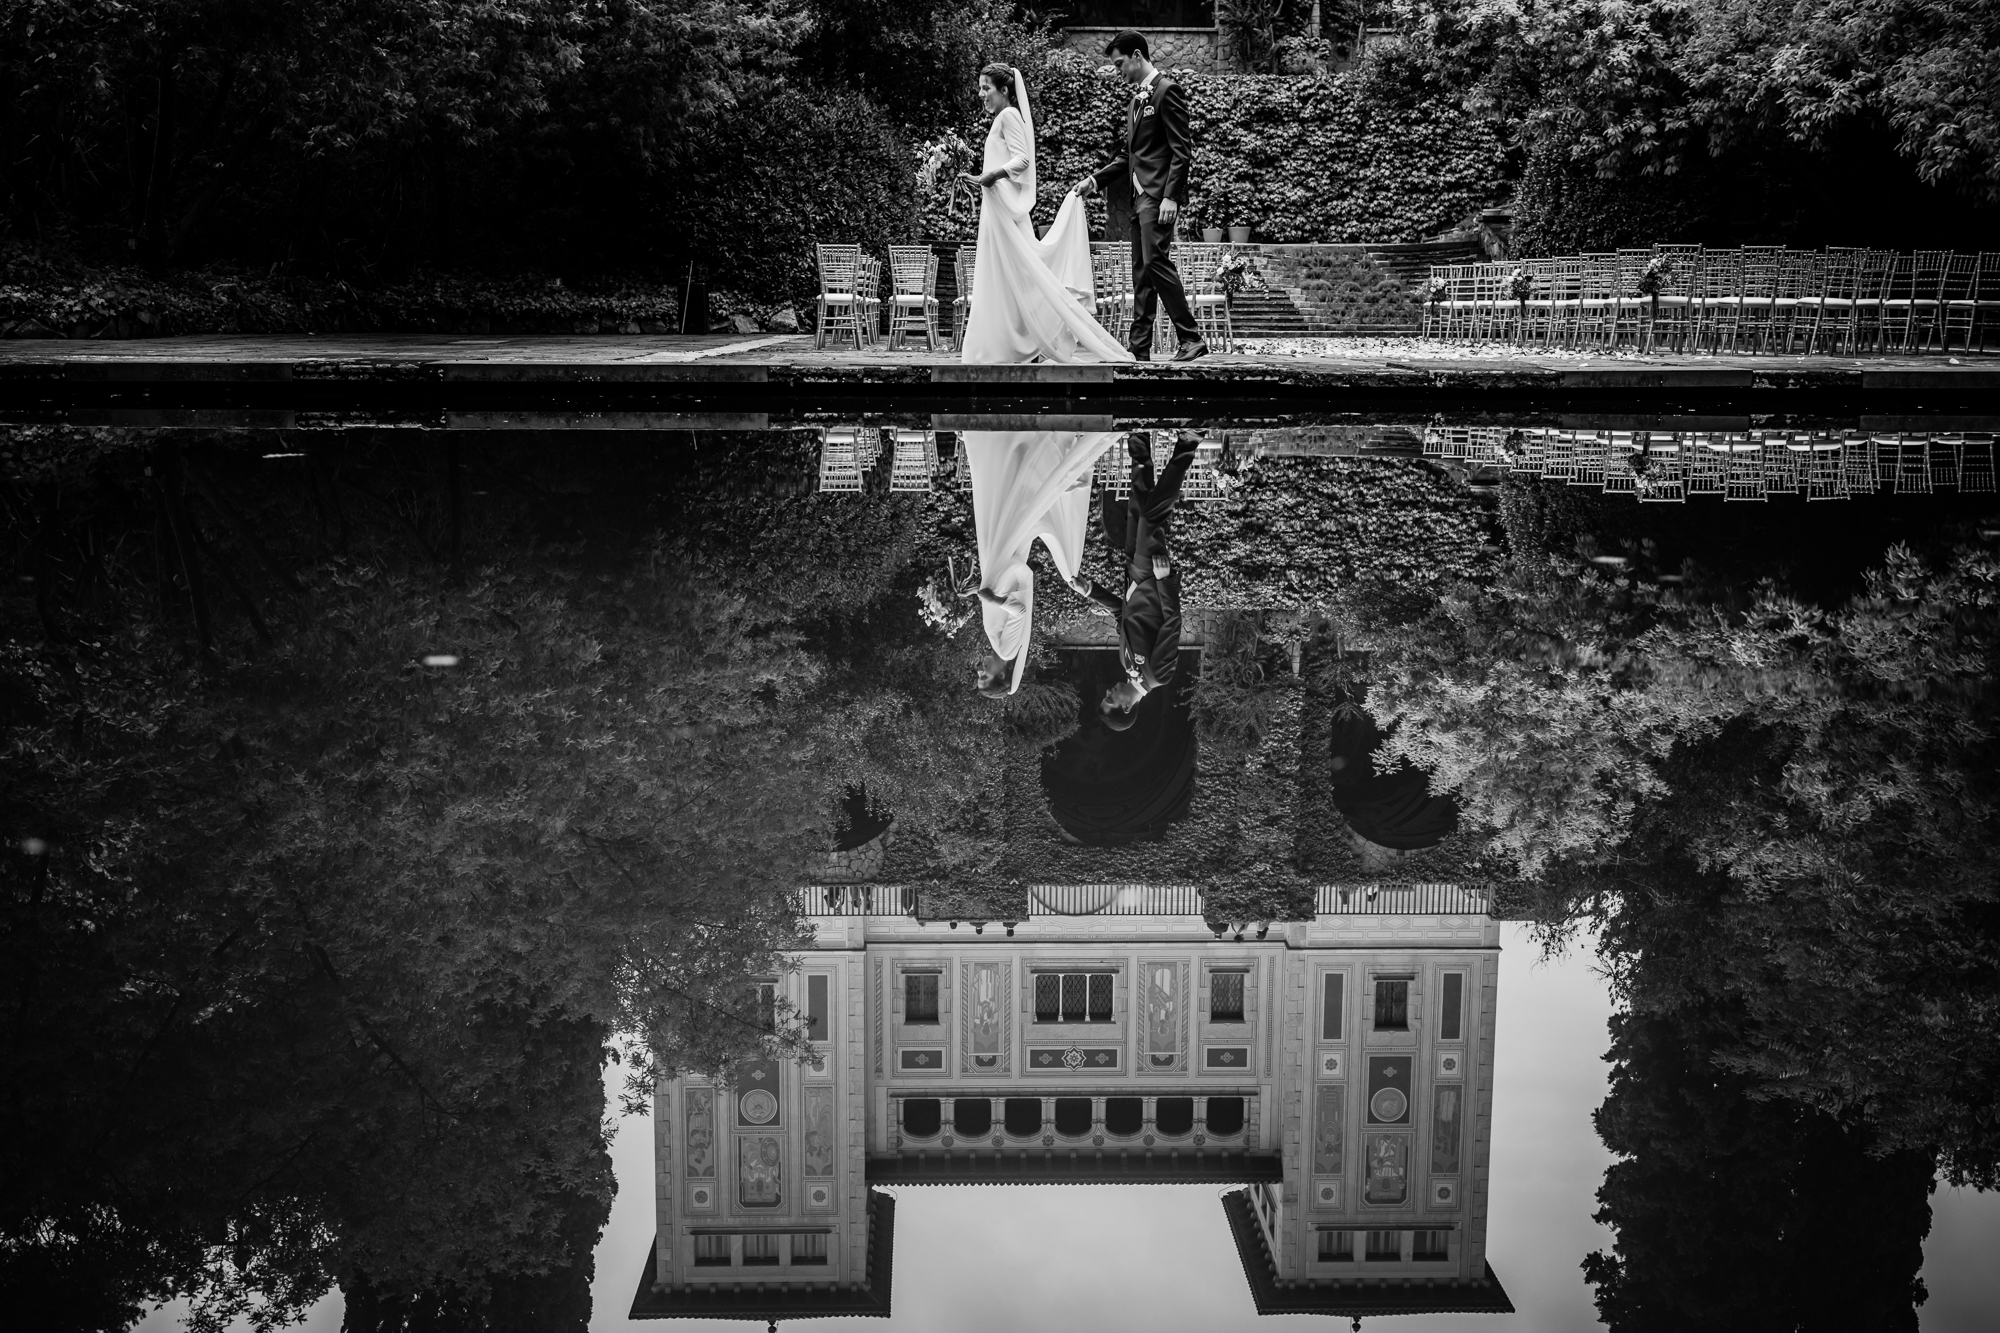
(1225, 997)
(1331, 1004)
(1073, 997)
(920, 997)
(816, 989)
(809, 1249)
(1449, 1004)
(1392, 1005)
(760, 1250)
(711, 1251)
(1336, 1247)
(1432, 1246)
(1385, 1246)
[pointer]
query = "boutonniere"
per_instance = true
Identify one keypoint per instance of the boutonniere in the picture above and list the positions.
(1148, 111)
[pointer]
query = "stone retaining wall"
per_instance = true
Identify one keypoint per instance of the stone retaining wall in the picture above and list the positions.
(1172, 48)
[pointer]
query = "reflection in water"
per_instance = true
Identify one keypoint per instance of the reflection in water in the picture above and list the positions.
(1338, 1071)
(361, 788)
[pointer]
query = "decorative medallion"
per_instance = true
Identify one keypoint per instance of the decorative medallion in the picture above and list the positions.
(1388, 1105)
(930, 1060)
(1326, 1193)
(756, 1086)
(1200, 1139)
(1057, 1059)
(1149, 1140)
(946, 1140)
(1332, 1064)
(701, 1196)
(1097, 1140)
(1451, 1064)
(1226, 1057)
(998, 1141)
(1072, 1058)
(1444, 1193)
(1048, 1140)
(819, 1196)
(1388, 1090)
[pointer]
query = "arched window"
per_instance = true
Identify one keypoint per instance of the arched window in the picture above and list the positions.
(972, 1117)
(1024, 1116)
(1124, 1115)
(1225, 1115)
(1174, 1116)
(1073, 1116)
(922, 1116)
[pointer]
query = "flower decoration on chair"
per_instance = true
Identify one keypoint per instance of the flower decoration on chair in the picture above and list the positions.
(1235, 274)
(1434, 290)
(1654, 280)
(1520, 285)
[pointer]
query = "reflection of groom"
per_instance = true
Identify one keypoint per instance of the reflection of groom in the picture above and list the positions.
(1156, 155)
(1149, 614)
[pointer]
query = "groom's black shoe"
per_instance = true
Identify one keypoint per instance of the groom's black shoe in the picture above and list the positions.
(1141, 353)
(1186, 443)
(1137, 448)
(1191, 351)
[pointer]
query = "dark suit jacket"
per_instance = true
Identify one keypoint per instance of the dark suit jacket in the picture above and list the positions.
(1159, 147)
(1149, 625)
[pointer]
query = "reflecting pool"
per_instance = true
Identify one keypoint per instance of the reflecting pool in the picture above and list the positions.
(989, 873)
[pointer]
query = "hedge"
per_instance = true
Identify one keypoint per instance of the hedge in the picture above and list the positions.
(1367, 155)
(45, 295)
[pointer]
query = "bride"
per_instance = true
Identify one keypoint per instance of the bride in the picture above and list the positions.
(1031, 299)
(1027, 486)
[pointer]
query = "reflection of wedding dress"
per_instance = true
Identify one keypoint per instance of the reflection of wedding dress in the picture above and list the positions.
(1030, 298)
(1027, 484)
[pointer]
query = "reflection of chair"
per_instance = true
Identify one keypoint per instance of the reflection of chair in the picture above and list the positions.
(915, 461)
(1975, 470)
(1913, 467)
(1707, 466)
(1857, 462)
(1744, 479)
(1826, 478)
(839, 461)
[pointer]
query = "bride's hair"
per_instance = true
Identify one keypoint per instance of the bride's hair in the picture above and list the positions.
(1001, 77)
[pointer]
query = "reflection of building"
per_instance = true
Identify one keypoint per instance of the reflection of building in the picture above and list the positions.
(1339, 1070)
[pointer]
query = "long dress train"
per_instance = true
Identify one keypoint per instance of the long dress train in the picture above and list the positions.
(1026, 485)
(1030, 298)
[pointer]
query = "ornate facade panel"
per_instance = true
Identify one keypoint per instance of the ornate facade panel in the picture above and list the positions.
(1388, 1166)
(821, 1132)
(760, 1171)
(701, 1133)
(880, 1009)
(1447, 1113)
(986, 1015)
(1164, 994)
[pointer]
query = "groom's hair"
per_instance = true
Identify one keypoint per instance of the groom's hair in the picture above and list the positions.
(1000, 76)
(1126, 43)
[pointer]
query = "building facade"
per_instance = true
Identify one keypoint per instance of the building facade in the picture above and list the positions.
(1339, 1070)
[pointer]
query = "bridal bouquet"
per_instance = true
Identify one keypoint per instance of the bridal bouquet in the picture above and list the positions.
(1654, 280)
(940, 159)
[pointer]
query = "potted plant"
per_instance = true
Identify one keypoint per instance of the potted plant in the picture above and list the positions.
(1213, 235)
(1239, 236)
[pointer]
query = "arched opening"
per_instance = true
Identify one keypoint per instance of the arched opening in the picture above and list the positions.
(1174, 1116)
(1024, 1116)
(1225, 1116)
(922, 1116)
(972, 1117)
(1124, 1116)
(1073, 1117)
(1106, 788)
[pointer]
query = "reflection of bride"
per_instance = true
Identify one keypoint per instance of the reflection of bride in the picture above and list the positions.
(1025, 484)
(1031, 299)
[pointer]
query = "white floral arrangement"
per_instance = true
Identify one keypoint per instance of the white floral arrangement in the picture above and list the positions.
(940, 159)
(1435, 289)
(1520, 284)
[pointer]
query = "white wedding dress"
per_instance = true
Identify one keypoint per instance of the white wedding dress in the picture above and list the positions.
(1031, 299)
(1027, 484)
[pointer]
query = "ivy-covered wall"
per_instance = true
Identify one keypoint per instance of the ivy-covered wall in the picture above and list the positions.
(1368, 155)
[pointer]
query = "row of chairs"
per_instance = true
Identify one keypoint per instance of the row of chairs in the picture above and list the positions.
(1739, 465)
(849, 453)
(1747, 298)
(851, 306)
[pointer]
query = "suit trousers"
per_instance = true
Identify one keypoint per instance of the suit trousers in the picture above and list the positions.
(1138, 527)
(1154, 275)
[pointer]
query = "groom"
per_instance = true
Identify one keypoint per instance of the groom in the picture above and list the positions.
(1149, 614)
(1157, 153)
